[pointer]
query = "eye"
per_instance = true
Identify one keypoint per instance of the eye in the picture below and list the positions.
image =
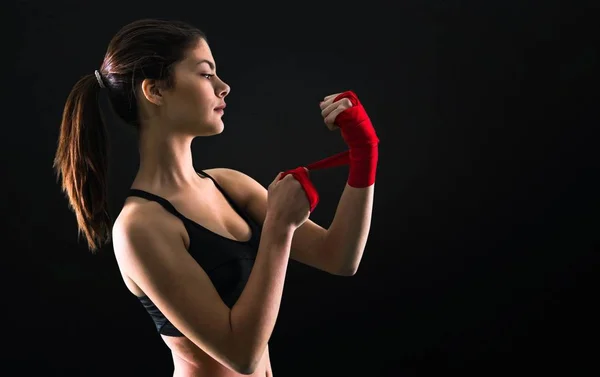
(207, 75)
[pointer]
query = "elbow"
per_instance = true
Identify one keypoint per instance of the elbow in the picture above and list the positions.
(347, 262)
(349, 272)
(246, 359)
(248, 367)
(245, 367)
(246, 371)
(250, 362)
(346, 271)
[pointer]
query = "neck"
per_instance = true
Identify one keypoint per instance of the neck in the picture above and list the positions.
(165, 160)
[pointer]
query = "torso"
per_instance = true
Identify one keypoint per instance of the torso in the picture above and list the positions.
(212, 211)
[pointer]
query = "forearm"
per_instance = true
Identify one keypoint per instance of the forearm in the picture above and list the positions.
(254, 315)
(347, 235)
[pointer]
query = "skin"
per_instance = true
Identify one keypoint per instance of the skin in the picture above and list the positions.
(170, 119)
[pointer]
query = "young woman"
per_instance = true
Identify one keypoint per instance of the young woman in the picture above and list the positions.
(206, 252)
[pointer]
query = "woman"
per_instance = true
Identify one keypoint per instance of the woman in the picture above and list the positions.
(206, 252)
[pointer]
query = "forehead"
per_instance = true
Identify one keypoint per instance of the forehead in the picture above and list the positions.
(201, 51)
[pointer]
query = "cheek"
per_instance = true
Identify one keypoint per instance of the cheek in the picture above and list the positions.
(187, 103)
(197, 96)
(193, 99)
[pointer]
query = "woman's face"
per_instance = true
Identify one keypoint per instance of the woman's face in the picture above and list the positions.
(195, 103)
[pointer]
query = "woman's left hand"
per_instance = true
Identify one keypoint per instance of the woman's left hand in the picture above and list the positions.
(330, 109)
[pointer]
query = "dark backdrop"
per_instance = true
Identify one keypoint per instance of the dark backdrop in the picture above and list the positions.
(480, 254)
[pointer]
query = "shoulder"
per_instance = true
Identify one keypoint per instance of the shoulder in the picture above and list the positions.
(238, 184)
(145, 234)
(231, 176)
(140, 220)
(141, 212)
(250, 194)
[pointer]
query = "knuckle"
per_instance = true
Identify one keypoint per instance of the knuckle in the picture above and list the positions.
(295, 184)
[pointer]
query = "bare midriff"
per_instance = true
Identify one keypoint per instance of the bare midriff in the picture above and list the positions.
(191, 361)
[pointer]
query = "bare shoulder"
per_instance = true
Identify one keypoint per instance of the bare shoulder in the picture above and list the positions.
(231, 176)
(138, 214)
(140, 219)
(242, 187)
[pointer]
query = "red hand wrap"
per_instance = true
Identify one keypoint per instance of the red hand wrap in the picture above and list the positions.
(301, 176)
(359, 134)
(362, 156)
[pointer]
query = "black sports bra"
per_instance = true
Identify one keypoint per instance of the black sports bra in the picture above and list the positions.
(227, 262)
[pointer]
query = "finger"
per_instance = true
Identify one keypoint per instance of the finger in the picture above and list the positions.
(331, 126)
(330, 118)
(290, 177)
(343, 104)
(328, 100)
(327, 110)
(276, 178)
(331, 96)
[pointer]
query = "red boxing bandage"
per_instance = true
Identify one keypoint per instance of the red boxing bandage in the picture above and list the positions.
(359, 134)
(301, 176)
(362, 156)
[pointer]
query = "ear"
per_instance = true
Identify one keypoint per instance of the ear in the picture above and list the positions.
(152, 91)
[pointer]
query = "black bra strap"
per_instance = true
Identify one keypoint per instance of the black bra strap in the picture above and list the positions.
(162, 201)
(203, 173)
(229, 199)
(169, 207)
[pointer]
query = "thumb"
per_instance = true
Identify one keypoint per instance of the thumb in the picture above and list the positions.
(276, 178)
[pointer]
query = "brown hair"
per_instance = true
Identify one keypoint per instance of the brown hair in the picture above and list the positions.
(144, 49)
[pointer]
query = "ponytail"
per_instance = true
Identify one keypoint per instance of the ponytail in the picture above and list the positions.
(81, 161)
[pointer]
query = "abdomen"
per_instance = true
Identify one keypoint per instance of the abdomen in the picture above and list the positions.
(191, 361)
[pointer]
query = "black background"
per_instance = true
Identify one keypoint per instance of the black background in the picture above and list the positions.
(485, 217)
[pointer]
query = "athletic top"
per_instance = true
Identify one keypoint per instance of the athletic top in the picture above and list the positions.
(227, 262)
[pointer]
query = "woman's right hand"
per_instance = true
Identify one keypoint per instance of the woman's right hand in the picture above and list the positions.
(287, 203)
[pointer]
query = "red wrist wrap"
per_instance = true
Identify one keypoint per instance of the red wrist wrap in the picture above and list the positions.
(362, 154)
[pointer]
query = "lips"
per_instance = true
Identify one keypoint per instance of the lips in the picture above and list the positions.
(220, 107)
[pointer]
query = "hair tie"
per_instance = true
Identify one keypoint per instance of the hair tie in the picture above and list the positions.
(99, 78)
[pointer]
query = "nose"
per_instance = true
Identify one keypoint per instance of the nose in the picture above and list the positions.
(223, 90)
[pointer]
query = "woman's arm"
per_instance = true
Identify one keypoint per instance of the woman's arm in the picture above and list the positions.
(346, 238)
(150, 250)
(337, 250)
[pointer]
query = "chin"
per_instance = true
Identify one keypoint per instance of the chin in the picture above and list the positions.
(208, 128)
(215, 129)
(219, 127)
(219, 131)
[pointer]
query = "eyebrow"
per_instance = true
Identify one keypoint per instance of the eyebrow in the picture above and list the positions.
(211, 64)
